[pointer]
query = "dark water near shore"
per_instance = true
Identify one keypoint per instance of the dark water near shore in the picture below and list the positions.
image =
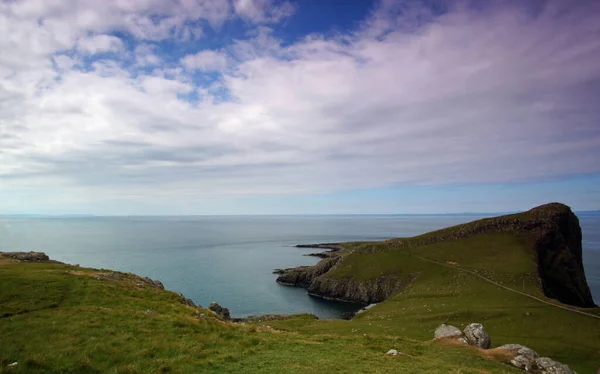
(229, 259)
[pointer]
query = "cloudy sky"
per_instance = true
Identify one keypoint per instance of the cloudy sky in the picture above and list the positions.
(124, 107)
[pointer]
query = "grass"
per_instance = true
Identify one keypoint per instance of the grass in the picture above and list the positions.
(442, 293)
(55, 318)
(60, 319)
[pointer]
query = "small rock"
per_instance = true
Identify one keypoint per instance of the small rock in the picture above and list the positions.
(548, 366)
(521, 350)
(150, 312)
(201, 316)
(113, 276)
(392, 352)
(140, 285)
(476, 335)
(13, 364)
(188, 301)
(158, 284)
(523, 362)
(447, 331)
(220, 311)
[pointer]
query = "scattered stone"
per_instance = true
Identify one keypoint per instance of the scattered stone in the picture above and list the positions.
(189, 301)
(392, 352)
(13, 364)
(476, 335)
(154, 283)
(27, 256)
(521, 350)
(140, 285)
(525, 357)
(201, 316)
(447, 331)
(548, 366)
(362, 310)
(113, 276)
(97, 278)
(523, 362)
(220, 311)
(150, 312)
(158, 284)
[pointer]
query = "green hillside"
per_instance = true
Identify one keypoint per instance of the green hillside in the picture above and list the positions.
(58, 318)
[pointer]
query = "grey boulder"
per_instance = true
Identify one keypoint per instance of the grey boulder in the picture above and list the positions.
(475, 335)
(548, 366)
(447, 331)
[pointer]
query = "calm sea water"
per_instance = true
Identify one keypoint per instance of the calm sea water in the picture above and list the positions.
(229, 259)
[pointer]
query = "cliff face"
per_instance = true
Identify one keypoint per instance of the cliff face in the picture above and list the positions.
(557, 246)
(559, 257)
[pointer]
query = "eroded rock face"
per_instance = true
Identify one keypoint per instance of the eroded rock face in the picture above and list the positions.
(475, 335)
(447, 331)
(220, 311)
(27, 256)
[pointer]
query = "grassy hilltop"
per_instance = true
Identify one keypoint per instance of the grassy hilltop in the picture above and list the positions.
(59, 318)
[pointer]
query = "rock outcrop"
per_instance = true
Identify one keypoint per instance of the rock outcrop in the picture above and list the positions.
(557, 248)
(27, 256)
(220, 311)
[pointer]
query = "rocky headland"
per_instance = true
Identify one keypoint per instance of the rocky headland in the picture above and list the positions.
(554, 235)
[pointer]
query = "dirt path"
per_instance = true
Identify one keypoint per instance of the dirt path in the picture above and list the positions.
(502, 286)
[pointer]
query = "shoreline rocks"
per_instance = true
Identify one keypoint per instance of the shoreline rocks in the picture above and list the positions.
(27, 256)
(220, 311)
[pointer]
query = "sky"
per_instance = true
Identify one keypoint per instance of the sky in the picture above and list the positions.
(166, 107)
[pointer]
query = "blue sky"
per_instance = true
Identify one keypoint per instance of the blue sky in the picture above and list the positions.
(289, 107)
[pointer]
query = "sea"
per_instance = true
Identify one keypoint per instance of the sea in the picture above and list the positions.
(230, 259)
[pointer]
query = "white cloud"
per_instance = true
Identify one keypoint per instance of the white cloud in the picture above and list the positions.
(207, 61)
(99, 44)
(263, 11)
(468, 97)
(145, 55)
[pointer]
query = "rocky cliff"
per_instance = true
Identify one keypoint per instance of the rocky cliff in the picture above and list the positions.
(556, 238)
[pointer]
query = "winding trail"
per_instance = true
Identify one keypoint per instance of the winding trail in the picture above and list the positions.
(500, 285)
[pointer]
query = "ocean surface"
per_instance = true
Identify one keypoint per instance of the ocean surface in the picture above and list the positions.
(230, 259)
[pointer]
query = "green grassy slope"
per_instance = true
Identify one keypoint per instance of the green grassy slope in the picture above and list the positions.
(56, 318)
(441, 292)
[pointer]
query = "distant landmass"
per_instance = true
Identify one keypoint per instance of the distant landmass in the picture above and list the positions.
(47, 215)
